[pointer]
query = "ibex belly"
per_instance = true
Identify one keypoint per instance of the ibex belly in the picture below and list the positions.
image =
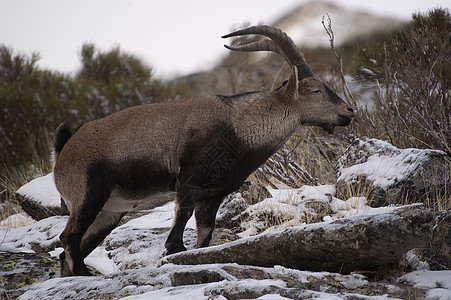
(118, 202)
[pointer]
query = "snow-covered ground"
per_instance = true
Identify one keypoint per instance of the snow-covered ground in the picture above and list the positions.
(133, 270)
(130, 257)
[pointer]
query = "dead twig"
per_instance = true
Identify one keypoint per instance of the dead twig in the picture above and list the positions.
(338, 55)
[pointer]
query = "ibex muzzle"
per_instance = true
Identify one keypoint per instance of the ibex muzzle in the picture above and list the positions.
(196, 151)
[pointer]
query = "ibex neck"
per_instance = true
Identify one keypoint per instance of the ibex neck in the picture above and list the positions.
(264, 121)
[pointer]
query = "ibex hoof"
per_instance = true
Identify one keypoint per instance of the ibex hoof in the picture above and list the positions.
(80, 269)
(173, 250)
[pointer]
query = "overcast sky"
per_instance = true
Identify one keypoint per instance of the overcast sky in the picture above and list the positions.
(173, 36)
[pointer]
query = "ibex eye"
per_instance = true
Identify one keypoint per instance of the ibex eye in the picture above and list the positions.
(317, 91)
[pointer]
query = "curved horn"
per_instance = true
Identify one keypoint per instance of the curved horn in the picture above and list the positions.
(279, 42)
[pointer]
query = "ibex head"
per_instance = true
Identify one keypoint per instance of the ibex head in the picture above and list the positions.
(317, 105)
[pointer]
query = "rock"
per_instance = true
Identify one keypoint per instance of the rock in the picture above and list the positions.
(388, 175)
(190, 277)
(438, 254)
(219, 281)
(38, 211)
(135, 246)
(253, 192)
(365, 242)
(222, 236)
(20, 270)
(41, 236)
(230, 210)
(40, 199)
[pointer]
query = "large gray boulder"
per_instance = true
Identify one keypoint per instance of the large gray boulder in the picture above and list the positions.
(388, 175)
(365, 242)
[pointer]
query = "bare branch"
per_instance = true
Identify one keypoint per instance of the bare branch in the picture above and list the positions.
(338, 56)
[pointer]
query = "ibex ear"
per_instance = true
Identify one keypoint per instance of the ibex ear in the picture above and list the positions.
(292, 87)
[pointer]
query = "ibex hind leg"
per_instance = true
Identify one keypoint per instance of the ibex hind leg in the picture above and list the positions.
(83, 214)
(103, 224)
(71, 259)
(87, 235)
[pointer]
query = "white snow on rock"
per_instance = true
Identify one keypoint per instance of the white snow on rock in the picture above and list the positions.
(44, 233)
(42, 190)
(175, 293)
(287, 207)
(159, 217)
(316, 193)
(436, 283)
(348, 208)
(386, 166)
(100, 260)
(292, 207)
(139, 242)
(70, 288)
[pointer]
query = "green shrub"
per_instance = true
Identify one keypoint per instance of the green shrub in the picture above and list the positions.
(33, 102)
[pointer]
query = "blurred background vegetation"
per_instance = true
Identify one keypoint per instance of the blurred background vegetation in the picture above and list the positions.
(411, 78)
(401, 86)
(33, 102)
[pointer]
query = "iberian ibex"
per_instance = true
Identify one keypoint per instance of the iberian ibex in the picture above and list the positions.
(196, 151)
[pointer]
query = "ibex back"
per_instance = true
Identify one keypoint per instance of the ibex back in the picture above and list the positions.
(196, 151)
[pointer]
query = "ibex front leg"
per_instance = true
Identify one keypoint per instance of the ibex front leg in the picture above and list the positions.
(184, 207)
(206, 210)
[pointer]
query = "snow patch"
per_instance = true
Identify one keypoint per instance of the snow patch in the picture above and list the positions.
(42, 190)
(287, 207)
(175, 293)
(386, 167)
(99, 260)
(425, 279)
(70, 288)
(348, 208)
(159, 217)
(44, 233)
(436, 283)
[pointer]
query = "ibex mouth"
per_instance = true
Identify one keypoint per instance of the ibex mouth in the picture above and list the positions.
(344, 120)
(329, 128)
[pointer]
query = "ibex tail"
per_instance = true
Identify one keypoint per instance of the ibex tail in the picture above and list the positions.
(63, 133)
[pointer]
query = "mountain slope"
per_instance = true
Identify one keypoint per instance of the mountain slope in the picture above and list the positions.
(242, 72)
(303, 24)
